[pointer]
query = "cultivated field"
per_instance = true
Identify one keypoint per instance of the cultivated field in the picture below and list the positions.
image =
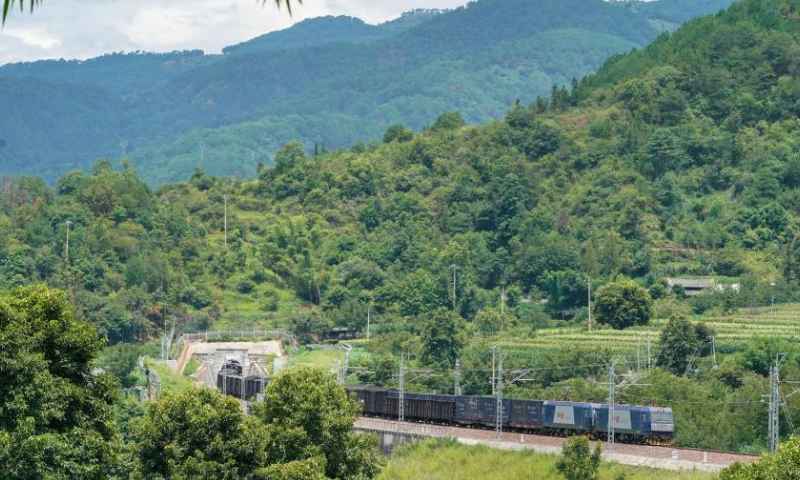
(732, 331)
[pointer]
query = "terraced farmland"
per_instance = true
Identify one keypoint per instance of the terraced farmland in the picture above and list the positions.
(732, 331)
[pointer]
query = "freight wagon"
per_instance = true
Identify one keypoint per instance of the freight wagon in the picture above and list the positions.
(633, 424)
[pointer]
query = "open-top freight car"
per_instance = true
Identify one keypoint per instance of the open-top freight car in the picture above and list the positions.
(633, 424)
(246, 388)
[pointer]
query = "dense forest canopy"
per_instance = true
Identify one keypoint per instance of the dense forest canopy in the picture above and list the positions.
(327, 81)
(663, 163)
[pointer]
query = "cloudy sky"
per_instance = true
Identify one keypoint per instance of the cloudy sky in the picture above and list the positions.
(87, 28)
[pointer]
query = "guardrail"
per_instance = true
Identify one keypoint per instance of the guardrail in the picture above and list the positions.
(236, 334)
(219, 334)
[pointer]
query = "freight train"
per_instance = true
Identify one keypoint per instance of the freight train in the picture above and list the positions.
(230, 381)
(632, 424)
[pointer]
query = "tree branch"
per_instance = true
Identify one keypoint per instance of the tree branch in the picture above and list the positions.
(9, 4)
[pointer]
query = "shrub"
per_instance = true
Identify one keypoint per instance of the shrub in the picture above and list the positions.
(623, 304)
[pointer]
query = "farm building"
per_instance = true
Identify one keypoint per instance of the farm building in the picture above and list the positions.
(694, 287)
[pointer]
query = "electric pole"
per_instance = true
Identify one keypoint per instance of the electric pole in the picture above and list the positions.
(202, 152)
(589, 289)
(457, 375)
(612, 380)
(401, 397)
(714, 351)
(124, 145)
(453, 266)
(66, 250)
(225, 200)
(502, 300)
(494, 354)
(638, 354)
(499, 408)
(369, 307)
(649, 339)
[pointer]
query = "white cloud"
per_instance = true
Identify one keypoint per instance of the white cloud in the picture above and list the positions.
(87, 28)
(33, 38)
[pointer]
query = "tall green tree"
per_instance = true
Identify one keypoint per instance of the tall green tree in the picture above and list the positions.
(442, 338)
(310, 419)
(623, 304)
(681, 344)
(196, 434)
(55, 410)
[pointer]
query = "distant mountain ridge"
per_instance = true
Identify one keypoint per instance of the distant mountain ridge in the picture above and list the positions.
(327, 81)
(330, 29)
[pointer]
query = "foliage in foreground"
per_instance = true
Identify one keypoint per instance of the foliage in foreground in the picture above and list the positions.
(578, 462)
(55, 412)
(303, 431)
(783, 465)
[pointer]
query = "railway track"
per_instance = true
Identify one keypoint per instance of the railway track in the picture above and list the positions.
(671, 458)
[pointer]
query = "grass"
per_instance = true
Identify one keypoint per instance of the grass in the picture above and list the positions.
(170, 381)
(250, 310)
(191, 367)
(446, 460)
(324, 359)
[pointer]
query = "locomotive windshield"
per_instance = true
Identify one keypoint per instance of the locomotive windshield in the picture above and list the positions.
(662, 417)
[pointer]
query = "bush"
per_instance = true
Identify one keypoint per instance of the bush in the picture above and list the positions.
(669, 308)
(245, 286)
(578, 461)
(623, 304)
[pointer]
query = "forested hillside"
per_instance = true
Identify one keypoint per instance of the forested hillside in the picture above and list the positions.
(647, 169)
(329, 81)
(667, 162)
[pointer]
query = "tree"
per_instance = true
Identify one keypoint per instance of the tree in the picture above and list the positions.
(681, 344)
(302, 431)
(623, 304)
(310, 417)
(442, 338)
(195, 434)
(398, 133)
(489, 321)
(663, 153)
(449, 121)
(55, 412)
(9, 4)
(578, 462)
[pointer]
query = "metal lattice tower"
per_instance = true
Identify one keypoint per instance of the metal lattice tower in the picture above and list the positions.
(401, 415)
(499, 408)
(774, 404)
(166, 341)
(245, 373)
(612, 380)
(344, 367)
(457, 375)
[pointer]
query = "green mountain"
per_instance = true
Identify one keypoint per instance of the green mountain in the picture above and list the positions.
(676, 160)
(326, 30)
(329, 81)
